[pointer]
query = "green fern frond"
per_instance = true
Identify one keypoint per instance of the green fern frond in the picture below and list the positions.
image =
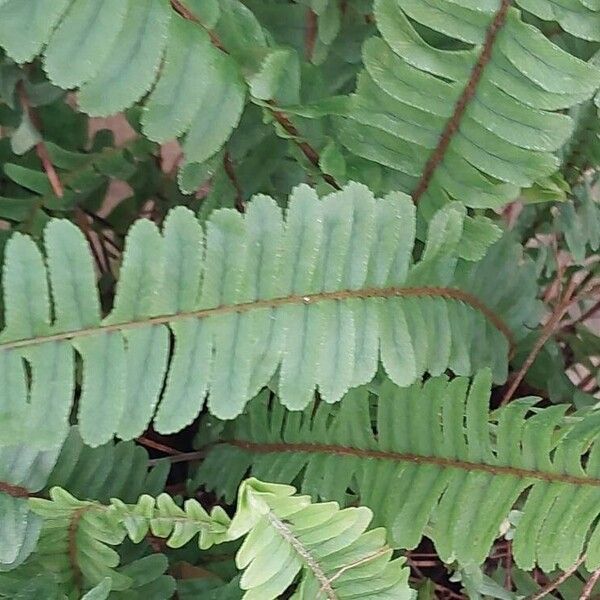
(470, 116)
(111, 50)
(328, 553)
(580, 18)
(23, 470)
(321, 294)
(287, 535)
(77, 537)
(435, 466)
(111, 470)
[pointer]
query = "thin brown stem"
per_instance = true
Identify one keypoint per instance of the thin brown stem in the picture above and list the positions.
(588, 314)
(40, 147)
(546, 333)
(589, 586)
(178, 458)
(310, 36)
(144, 441)
(311, 154)
(13, 490)
(552, 585)
(462, 103)
(392, 292)
(419, 459)
(72, 544)
(240, 204)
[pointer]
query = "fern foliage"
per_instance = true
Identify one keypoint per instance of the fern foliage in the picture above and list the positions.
(111, 50)
(328, 553)
(437, 465)
(112, 470)
(471, 114)
(336, 277)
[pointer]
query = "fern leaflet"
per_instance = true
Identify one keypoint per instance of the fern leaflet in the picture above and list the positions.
(321, 295)
(436, 466)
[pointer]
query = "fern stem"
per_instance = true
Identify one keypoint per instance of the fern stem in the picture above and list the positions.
(311, 154)
(589, 586)
(462, 103)
(288, 535)
(556, 582)
(361, 294)
(449, 463)
(72, 542)
(546, 333)
(13, 490)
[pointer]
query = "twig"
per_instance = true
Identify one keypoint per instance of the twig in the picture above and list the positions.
(186, 13)
(40, 147)
(82, 222)
(508, 564)
(280, 117)
(230, 171)
(546, 333)
(177, 458)
(552, 585)
(584, 316)
(311, 154)
(311, 34)
(589, 586)
(157, 446)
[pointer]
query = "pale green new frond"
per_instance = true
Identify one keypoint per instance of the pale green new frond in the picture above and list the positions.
(506, 138)
(430, 460)
(330, 548)
(327, 552)
(320, 295)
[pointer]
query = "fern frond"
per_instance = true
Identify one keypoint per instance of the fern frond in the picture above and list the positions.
(112, 49)
(23, 470)
(473, 119)
(321, 295)
(435, 466)
(328, 546)
(98, 474)
(327, 551)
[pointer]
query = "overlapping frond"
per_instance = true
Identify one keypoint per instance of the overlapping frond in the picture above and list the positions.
(111, 51)
(119, 470)
(580, 18)
(428, 460)
(324, 551)
(329, 548)
(469, 113)
(320, 295)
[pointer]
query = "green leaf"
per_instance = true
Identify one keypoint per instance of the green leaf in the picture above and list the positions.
(83, 40)
(430, 460)
(316, 297)
(130, 69)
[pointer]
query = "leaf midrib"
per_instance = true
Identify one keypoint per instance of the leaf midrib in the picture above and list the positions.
(298, 299)
(448, 463)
